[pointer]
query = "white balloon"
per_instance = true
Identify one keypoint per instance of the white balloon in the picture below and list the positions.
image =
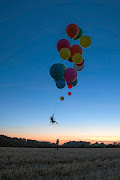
(78, 68)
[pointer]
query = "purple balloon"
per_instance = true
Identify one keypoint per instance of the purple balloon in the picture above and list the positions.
(63, 43)
(70, 75)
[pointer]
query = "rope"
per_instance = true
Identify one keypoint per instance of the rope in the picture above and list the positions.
(54, 109)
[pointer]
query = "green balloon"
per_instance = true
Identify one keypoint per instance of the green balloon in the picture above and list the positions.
(57, 71)
(79, 35)
(63, 66)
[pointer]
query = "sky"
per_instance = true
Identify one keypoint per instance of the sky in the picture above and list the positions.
(29, 32)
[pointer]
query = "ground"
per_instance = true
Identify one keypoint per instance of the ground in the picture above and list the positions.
(64, 164)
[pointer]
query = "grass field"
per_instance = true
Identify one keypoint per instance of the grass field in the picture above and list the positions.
(50, 164)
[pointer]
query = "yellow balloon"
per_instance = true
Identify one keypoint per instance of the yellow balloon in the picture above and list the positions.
(65, 53)
(61, 98)
(85, 41)
(77, 58)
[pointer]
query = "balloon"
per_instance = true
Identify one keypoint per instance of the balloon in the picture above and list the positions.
(61, 98)
(70, 60)
(70, 86)
(77, 58)
(79, 35)
(73, 83)
(60, 83)
(69, 93)
(78, 68)
(72, 30)
(63, 43)
(63, 66)
(57, 71)
(75, 49)
(65, 53)
(85, 41)
(64, 69)
(70, 75)
(81, 63)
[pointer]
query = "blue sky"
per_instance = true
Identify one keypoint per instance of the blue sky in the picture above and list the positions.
(29, 32)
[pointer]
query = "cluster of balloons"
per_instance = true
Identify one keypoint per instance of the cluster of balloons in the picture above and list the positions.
(58, 71)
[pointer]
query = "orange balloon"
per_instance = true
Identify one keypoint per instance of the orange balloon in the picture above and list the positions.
(72, 30)
(76, 49)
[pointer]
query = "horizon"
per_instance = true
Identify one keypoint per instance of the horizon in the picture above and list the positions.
(28, 95)
(61, 143)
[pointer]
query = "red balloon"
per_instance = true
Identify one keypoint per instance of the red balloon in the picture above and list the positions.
(70, 86)
(69, 93)
(81, 63)
(63, 43)
(72, 30)
(76, 49)
(70, 75)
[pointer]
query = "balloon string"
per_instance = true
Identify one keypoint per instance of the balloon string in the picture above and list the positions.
(54, 109)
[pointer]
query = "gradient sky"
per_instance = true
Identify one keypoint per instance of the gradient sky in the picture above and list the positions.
(29, 31)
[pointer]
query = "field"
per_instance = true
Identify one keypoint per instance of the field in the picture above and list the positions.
(50, 164)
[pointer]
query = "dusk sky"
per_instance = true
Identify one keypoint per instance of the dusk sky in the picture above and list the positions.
(29, 32)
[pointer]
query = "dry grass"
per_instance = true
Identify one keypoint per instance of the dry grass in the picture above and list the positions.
(50, 164)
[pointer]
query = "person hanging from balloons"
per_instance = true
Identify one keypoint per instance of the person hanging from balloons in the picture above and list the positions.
(52, 119)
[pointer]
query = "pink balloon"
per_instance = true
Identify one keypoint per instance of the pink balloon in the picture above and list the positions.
(70, 75)
(63, 43)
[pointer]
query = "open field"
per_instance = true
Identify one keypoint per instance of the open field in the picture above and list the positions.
(50, 164)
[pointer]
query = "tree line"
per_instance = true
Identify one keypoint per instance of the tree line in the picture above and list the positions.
(6, 141)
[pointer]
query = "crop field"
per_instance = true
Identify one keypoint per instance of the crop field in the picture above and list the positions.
(50, 164)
